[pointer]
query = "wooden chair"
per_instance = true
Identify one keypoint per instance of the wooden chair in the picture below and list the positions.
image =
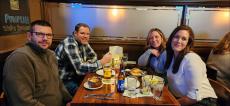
(222, 92)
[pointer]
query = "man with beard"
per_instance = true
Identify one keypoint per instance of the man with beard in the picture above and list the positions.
(76, 57)
(30, 75)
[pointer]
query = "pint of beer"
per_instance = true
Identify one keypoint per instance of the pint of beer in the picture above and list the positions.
(107, 71)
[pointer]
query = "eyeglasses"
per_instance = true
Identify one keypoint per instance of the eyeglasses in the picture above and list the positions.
(42, 35)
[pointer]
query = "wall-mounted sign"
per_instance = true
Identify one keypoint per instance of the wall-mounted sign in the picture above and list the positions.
(14, 16)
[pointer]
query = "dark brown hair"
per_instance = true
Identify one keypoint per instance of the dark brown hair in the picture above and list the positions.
(77, 27)
(181, 55)
(39, 22)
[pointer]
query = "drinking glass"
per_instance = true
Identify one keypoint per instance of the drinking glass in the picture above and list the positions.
(146, 89)
(107, 71)
(125, 59)
(157, 90)
(131, 85)
(117, 69)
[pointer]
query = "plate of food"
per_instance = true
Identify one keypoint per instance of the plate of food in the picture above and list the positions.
(101, 72)
(136, 72)
(156, 79)
(93, 83)
(152, 79)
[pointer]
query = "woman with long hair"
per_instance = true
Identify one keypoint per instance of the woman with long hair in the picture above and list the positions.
(219, 60)
(156, 43)
(186, 72)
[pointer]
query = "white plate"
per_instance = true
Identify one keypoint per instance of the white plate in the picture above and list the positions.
(138, 83)
(86, 85)
(101, 72)
(127, 70)
(131, 62)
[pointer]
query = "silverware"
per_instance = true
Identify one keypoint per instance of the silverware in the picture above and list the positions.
(104, 98)
(99, 95)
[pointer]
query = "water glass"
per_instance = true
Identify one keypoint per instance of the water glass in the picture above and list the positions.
(146, 89)
(131, 85)
(157, 90)
(125, 57)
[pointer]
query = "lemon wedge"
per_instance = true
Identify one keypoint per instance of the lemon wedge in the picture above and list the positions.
(154, 81)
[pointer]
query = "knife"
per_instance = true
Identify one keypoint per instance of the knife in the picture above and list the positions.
(89, 95)
(104, 98)
(99, 95)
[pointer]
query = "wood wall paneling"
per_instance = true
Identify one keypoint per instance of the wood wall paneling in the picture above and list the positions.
(11, 42)
(135, 48)
(35, 9)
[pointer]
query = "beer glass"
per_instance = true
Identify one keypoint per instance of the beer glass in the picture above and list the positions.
(117, 69)
(107, 71)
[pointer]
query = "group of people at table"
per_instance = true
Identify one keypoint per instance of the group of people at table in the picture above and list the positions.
(33, 75)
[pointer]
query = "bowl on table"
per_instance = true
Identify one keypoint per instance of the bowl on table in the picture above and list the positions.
(93, 82)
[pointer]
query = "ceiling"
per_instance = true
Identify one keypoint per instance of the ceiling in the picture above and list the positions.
(219, 3)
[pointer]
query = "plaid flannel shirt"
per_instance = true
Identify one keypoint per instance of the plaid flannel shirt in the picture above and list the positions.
(81, 57)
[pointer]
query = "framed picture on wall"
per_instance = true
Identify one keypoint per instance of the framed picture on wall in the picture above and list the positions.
(14, 17)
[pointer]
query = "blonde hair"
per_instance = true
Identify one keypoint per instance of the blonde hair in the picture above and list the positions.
(223, 46)
(163, 43)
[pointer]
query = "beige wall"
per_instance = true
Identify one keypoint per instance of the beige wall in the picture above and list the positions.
(10, 42)
(208, 23)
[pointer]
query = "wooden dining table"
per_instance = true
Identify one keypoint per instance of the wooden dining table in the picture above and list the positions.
(118, 99)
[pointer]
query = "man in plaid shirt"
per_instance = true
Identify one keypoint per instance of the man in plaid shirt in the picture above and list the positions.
(76, 57)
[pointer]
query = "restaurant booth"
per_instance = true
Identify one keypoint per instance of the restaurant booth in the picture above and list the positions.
(125, 23)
